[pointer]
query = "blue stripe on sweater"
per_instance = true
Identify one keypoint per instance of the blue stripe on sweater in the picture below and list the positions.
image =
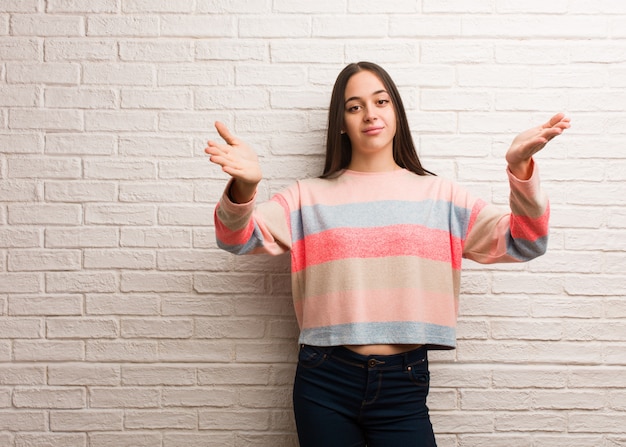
(525, 250)
(434, 214)
(255, 241)
(395, 332)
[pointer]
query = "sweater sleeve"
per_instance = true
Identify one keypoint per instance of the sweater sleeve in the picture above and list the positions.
(248, 228)
(520, 235)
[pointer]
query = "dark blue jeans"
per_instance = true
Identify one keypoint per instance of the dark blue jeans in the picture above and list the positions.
(344, 399)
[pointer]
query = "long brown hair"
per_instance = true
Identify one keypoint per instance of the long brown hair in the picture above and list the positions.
(338, 146)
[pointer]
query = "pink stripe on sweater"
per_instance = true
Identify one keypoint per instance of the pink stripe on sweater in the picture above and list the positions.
(386, 305)
(523, 227)
(236, 237)
(395, 240)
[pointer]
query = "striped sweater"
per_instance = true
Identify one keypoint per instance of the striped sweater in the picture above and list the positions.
(376, 257)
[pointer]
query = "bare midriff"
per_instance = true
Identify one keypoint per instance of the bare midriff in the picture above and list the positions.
(381, 349)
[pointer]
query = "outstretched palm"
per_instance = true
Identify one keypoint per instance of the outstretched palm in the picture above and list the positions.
(236, 158)
(528, 143)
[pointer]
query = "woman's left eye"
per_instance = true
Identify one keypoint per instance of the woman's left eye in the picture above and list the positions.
(383, 101)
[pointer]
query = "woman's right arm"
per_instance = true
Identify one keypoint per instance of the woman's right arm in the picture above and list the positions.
(240, 226)
(238, 160)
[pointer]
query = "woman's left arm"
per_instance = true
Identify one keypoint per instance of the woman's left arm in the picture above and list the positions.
(528, 143)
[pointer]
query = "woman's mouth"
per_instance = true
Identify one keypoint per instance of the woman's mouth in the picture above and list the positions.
(373, 130)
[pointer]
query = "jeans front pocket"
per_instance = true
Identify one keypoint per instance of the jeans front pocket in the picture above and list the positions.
(312, 356)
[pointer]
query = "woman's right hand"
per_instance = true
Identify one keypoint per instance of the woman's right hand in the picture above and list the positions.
(238, 160)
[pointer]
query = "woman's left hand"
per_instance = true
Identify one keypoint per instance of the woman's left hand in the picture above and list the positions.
(528, 143)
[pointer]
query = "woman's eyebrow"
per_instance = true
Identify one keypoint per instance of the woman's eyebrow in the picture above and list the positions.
(377, 92)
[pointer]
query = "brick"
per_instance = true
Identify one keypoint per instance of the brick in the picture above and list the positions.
(228, 50)
(157, 51)
(197, 74)
(19, 238)
(495, 440)
(62, 168)
(491, 75)
(50, 440)
(20, 283)
(230, 420)
(22, 328)
(267, 397)
(80, 192)
(20, 6)
(120, 214)
(82, 328)
(46, 25)
(171, 260)
(20, 305)
(229, 283)
(52, 120)
(156, 192)
(19, 49)
(98, 6)
(51, 351)
(161, 419)
(125, 351)
(230, 328)
(83, 374)
(81, 282)
(23, 421)
(18, 96)
(185, 215)
(194, 351)
(124, 397)
(118, 259)
(155, 375)
(124, 439)
(455, 100)
(79, 49)
(43, 260)
(126, 304)
(458, 52)
(80, 144)
(241, 98)
(274, 26)
(155, 237)
(114, 169)
(162, 6)
(21, 143)
(155, 282)
(212, 25)
(120, 121)
(283, 76)
(553, 26)
(169, 99)
(157, 328)
(50, 398)
(86, 420)
(118, 74)
(83, 98)
(511, 7)
(279, 352)
(21, 375)
(81, 237)
(199, 397)
(234, 6)
(135, 26)
(196, 305)
(155, 146)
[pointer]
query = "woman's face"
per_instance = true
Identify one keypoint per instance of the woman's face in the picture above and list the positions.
(369, 116)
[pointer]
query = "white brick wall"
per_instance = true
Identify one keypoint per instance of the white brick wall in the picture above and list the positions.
(122, 324)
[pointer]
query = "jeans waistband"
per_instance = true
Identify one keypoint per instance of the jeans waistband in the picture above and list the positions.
(403, 360)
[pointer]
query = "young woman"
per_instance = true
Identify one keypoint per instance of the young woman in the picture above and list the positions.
(376, 247)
